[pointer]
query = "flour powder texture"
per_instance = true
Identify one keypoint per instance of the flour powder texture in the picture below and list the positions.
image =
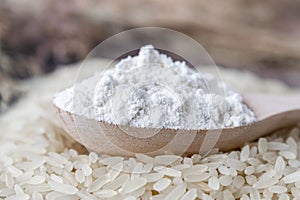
(151, 90)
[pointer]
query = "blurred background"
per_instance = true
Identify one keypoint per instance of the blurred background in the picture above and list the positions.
(36, 37)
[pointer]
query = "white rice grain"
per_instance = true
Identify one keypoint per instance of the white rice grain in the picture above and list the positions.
(177, 180)
(177, 192)
(70, 178)
(110, 161)
(238, 181)
(18, 197)
(284, 197)
(105, 193)
(262, 145)
(153, 177)
(88, 181)
(265, 183)
(277, 146)
(130, 198)
(98, 183)
(84, 195)
(137, 171)
(161, 184)
(213, 183)
(58, 158)
(277, 189)
(56, 178)
(14, 171)
(197, 178)
(225, 180)
(190, 195)
(294, 163)
(205, 197)
(147, 168)
(36, 196)
(292, 144)
(36, 180)
(279, 164)
(138, 193)
(292, 178)
(245, 152)
(227, 195)
(79, 176)
(144, 158)
(236, 164)
(115, 170)
(93, 157)
(63, 188)
(224, 170)
(288, 154)
(86, 170)
(195, 169)
(117, 183)
(54, 162)
(167, 159)
(168, 171)
(249, 170)
(187, 161)
(24, 177)
(245, 197)
(133, 185)
(69, 166)
(39, 188)
(99, 172)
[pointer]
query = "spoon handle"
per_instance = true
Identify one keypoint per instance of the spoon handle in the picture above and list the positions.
(267, 105)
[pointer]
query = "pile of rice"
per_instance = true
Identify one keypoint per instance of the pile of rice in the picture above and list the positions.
(39, 161)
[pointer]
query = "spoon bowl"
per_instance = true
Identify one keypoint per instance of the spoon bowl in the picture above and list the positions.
(272, 112)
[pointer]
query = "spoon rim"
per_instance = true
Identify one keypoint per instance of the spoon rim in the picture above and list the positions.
(151, 128)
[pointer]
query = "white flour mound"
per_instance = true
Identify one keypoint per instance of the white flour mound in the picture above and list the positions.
(151, 90)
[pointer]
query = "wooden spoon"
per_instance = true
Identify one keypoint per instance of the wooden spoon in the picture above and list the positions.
(272, 112)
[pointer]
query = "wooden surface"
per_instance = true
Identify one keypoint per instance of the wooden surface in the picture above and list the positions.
(260, 36)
